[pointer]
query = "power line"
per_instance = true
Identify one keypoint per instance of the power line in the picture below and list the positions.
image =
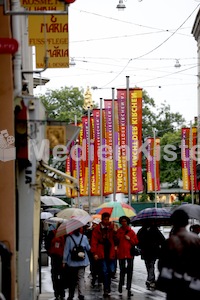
(154, 49)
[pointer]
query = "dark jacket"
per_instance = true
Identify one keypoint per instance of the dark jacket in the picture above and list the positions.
(181, 252)
(150, 242)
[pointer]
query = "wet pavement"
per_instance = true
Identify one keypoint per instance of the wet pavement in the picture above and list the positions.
(138, 286)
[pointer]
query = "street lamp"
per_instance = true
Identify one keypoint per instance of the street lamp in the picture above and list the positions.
(88, 106)
(177, 64)
(121, 6)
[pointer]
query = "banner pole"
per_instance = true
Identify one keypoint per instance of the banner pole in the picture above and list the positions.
(128, 139)
(101, 158)
(89, 160)
(154, 164)
(191, 164)
(113, 142)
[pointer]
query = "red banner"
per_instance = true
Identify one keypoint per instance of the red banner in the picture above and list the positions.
(97, 144)
(189, 142)
(109, 147)
(152, 158)
(68, 172)
(121, 99)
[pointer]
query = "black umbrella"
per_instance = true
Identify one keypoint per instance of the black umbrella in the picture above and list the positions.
(160, 216)
(193, 210)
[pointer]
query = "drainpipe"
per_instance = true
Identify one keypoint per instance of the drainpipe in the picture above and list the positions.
(17, 57)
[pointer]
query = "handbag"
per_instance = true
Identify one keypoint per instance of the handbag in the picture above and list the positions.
(135, 251)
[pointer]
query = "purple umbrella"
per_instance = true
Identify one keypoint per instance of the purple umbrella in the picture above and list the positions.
(160, 216)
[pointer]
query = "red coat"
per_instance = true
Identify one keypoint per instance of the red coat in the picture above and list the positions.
(124, 245)
(98, 241)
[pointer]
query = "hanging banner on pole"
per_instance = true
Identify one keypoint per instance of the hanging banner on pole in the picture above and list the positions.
(68, 172)
(121, 100)
(150, 164)
(118, 160)
(109, 147)
(97, 144)
(188, 159)
(136, 140)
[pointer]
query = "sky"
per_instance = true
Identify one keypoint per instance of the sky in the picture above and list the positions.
(142, 42)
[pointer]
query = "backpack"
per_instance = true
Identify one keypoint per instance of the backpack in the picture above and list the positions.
(55, 244)
(78, 252)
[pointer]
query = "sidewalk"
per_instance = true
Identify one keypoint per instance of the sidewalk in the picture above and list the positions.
(97, 292)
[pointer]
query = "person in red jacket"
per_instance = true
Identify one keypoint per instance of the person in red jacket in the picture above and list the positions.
(55, 247)
(103, 243)
(126, 239)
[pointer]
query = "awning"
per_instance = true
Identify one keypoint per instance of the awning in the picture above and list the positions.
(56, 176)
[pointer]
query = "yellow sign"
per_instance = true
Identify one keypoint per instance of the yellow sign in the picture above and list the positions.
(50, 28)
(58, 56)
(49, 34)
(42, 4)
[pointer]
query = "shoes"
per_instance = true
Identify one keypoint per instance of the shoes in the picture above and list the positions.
(148, 284)
(129, 294)
(69, 298)
(120, 289)
(152, 286)
(81, 297)
(106, 293)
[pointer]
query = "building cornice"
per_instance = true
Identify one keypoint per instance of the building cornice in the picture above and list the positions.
(196, 27)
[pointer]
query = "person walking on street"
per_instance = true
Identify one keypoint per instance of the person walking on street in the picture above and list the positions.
(151, 241)
(181, 254)
(103, 243)
(95, 268)
(55, 247)
(76, 268)
(126, 238)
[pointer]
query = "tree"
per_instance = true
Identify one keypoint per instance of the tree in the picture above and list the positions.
(167, 126)
(64, 104)
(170, 164)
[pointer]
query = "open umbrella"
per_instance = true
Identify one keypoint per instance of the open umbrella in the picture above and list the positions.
(73, 224)
(53, 210)
(158, 215)
(67, 213)
(51, 201)
(193, 210)
(116, 210)
(45, 215)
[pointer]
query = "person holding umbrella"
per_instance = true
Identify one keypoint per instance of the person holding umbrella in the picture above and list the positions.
(76, 267)
(126, 239)
(150, 242)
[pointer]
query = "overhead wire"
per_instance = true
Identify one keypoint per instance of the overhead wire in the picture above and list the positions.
(154, 49)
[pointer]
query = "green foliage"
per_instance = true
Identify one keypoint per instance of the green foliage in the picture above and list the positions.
(64, 104)
(144, 197)
(188, 198)
(166, 123)
(170, 163)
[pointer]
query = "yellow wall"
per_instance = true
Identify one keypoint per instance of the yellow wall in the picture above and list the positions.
(7, 169)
